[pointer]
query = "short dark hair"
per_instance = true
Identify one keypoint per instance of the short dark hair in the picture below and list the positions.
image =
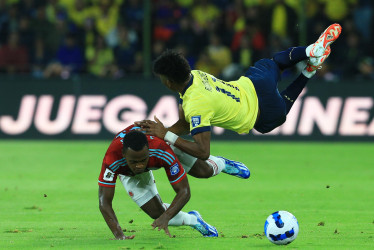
(135, 140)
(173, 65)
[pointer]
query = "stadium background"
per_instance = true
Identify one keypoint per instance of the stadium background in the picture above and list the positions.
(75, 69)
(82, 69)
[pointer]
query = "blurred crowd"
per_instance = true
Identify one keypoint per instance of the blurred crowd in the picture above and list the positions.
(104, 38)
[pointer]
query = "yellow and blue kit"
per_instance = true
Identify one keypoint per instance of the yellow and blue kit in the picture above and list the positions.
(208, 101)
(253, 101)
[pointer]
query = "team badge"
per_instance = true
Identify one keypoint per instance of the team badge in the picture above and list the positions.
(174, 169)
(108, 175)
(196, 120)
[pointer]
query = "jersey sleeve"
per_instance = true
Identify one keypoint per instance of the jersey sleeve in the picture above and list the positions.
(107, 177)
(199, 115)
(173, 168)
(112, 158)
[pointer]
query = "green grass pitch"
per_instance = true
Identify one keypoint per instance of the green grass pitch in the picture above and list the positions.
(48, 198)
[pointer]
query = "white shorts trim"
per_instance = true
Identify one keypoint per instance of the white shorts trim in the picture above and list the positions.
(141, 188)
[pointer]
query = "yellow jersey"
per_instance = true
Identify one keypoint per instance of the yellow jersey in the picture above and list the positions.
(208, 101)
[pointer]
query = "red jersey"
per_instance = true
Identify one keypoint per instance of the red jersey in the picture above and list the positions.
(160, 156)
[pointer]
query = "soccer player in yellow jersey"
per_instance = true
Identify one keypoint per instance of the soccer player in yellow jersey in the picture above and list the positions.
(253, 101)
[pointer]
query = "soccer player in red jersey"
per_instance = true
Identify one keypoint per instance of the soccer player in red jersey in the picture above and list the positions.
(132, 156)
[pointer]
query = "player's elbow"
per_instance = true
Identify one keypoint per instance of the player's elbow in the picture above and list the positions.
(204, 151)
(185, 194)
(104, 207)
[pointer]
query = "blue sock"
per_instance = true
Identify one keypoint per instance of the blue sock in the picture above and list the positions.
(291, 56)
(291, 93)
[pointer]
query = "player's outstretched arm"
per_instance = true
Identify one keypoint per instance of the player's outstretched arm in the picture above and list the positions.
(181, 198)
(105, 204)
(199, 148)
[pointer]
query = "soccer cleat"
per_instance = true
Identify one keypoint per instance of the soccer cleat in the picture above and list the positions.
(327, 37)
(204, 228)
(315, 63)
(235, 168)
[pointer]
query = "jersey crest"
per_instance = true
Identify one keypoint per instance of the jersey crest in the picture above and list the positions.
(174, 169)
(195, 120)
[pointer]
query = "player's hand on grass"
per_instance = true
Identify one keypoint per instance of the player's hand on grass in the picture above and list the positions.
(153, 128)
(161, 223)
(124, 237)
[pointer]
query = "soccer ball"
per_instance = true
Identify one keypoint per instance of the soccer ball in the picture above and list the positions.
(281, 228)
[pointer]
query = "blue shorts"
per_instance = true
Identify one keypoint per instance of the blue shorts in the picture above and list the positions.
(265, 76)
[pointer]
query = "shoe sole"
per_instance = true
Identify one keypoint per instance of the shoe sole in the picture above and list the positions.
(328, 37)
(331, 34)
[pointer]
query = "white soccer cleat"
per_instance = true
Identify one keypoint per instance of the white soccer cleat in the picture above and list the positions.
(327, 37)
(204, 228)
(315, 63)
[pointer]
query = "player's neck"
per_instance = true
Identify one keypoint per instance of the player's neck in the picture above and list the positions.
(185, 84)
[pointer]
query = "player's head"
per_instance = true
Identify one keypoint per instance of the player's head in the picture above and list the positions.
(135, 150)
(172, 68)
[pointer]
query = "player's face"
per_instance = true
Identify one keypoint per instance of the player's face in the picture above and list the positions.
(166, 82)
(137, 160)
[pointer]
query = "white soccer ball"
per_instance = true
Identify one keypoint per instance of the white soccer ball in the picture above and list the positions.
(281, 227)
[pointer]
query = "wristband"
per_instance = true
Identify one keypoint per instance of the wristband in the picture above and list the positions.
(171, 137)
